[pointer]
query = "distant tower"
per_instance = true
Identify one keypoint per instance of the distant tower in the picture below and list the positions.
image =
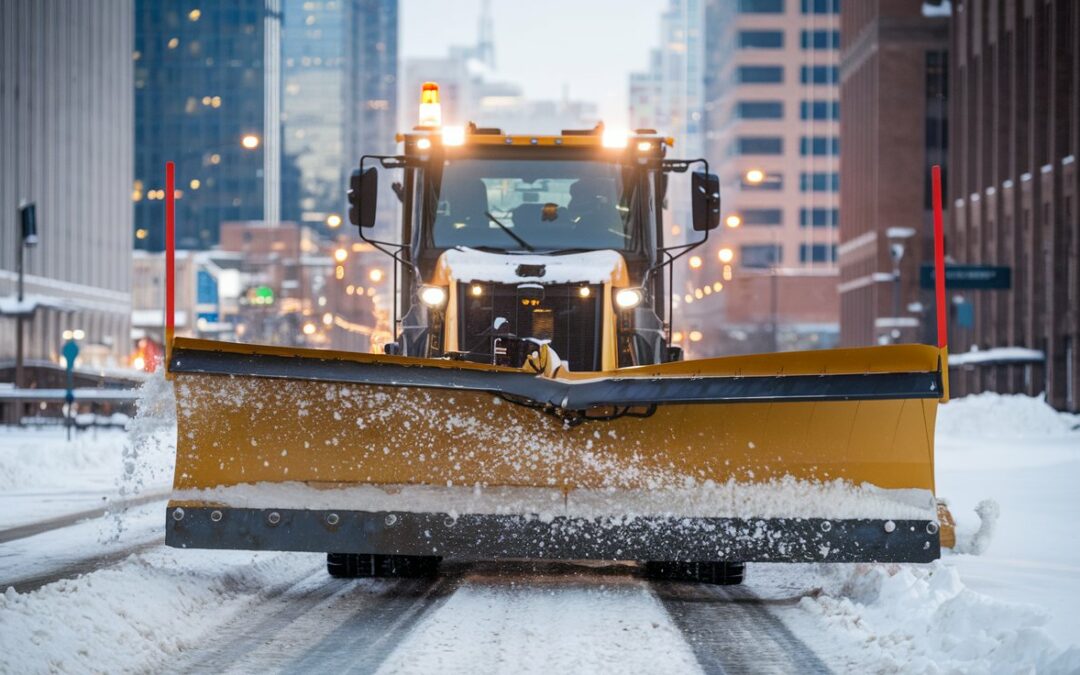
(485, 48)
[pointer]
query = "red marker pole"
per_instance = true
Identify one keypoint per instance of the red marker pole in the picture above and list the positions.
(170, 258)
(939, 278)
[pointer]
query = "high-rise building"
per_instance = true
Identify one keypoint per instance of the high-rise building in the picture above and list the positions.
(471, 90)
(893, 104)
(669, 95)
(66, 105)
(1013, 190)
(767, 279)
(207, 96)
(340, 99)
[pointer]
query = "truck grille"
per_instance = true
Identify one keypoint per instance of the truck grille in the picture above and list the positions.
(559, 313)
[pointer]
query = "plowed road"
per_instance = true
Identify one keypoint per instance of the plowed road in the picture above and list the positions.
(472, 618)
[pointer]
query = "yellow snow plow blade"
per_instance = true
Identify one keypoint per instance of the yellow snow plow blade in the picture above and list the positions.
(818, 455)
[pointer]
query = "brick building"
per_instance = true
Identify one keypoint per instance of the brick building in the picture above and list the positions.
(1013, 188)
(893, 99)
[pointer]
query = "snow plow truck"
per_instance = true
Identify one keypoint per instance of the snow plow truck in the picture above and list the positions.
(532, 403)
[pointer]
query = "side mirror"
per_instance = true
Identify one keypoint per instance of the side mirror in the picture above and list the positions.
(705, 200)
(363, 196)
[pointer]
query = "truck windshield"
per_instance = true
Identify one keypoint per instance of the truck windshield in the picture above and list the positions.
(532, 205)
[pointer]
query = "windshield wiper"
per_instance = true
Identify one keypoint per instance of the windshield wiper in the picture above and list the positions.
(566, 251)
(526, 245)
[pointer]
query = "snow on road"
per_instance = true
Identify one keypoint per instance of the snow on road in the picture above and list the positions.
(135, 616)
(546, 623)
(1011, 609)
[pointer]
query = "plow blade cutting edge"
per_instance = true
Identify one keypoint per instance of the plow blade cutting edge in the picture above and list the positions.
(800, 456)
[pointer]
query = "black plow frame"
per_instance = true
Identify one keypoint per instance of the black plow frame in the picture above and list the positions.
(485, 536)
(570, 395)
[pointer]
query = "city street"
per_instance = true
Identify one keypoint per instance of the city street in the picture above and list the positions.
(672, 336)
(105, 594)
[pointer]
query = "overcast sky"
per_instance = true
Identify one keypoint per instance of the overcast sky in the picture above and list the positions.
(589, 45)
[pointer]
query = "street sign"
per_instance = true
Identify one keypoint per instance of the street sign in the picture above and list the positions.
(70, 350)
(977, 277)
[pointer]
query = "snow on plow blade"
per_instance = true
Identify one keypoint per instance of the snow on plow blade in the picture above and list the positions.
(801, 456)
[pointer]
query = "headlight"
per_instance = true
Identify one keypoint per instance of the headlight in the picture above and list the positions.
(433, 296)
(628, 298)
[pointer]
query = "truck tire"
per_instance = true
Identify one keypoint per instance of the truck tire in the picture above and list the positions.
(707, 572)
(359, 565)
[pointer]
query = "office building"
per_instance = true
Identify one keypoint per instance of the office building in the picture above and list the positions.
(1013, 189)
(771, 131)
(207, 96)
(66, 105)
(471, 90)
(893, 105)
(340, 99)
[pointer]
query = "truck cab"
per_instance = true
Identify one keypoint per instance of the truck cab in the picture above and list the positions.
(510, 241)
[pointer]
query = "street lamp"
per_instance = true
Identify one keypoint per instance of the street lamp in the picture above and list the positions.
(333, 221)
(27, 239)
(733, 221)
(897, 236)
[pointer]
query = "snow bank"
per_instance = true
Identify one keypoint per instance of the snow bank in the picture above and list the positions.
(922, 619)
(135, 617)
(43, 458)
(990, 415)
(785, 498)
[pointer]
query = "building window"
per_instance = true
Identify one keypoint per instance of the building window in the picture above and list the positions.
(820, 39)
(819, 110)
(762, 217)
(761, 6)
(761, 39)
(820, 6)
(760, 74)
(758, 145)
(819, 74)
(759, 110)
(760, 255)
(817, 253)
(819, 181)
(817, 217)
(819, 146)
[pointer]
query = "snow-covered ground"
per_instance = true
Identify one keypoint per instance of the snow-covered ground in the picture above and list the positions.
(1010, 608)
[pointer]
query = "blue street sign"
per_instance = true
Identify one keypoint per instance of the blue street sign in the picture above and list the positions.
(70, 350)
(979, 277)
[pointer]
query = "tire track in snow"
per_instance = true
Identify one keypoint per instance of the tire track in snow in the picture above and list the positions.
(277, 609)
(111, 507)
(365, 639)
(732, 631)
(79, 567)
(320, 624)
